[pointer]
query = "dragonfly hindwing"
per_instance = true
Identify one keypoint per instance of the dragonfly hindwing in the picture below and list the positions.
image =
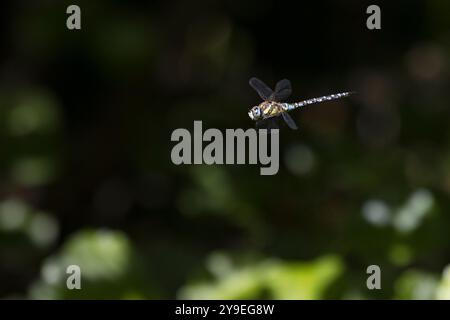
(289, 121)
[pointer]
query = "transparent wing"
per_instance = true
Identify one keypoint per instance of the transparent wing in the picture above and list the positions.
(283, 90)
(263, 90)
(289, 121)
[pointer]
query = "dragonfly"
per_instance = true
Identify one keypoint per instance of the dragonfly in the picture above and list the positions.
(272, 108)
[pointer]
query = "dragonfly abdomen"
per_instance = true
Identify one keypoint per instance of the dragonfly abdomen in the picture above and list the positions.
(292, 106)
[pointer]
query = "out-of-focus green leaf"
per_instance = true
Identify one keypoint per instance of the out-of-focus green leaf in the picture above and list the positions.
(272, 278)
(443, 290)
(107, 264)
(416, 285)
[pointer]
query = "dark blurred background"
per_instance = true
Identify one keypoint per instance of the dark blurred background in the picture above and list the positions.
(86, 176)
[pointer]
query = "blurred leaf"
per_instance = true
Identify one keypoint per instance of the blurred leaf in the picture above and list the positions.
(443, 290)
(272, 278)
(416, 285)
(108, 269)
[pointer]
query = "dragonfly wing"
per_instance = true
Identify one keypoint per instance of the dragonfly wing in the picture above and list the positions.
(283, 90)
(263, 90)
(289, 121)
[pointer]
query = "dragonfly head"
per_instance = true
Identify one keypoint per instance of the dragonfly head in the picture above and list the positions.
(255, 113)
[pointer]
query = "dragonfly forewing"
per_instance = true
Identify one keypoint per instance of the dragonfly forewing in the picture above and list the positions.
(263, 90)
(283, 90)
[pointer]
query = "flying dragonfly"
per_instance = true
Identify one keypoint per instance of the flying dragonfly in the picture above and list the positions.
(267, 112)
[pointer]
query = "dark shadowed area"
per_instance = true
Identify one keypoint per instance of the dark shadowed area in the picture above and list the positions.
(86, 176)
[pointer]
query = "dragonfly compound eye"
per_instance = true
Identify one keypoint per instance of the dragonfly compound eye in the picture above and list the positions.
(256, 112)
